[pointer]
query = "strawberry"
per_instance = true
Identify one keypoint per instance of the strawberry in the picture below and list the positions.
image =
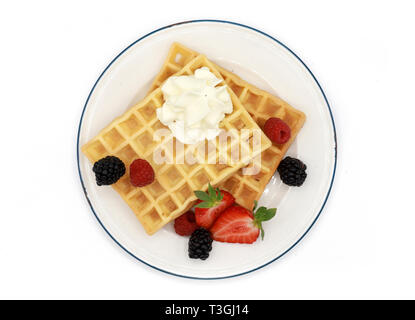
(277, 130)
(141, 173)
(210, 205)
(185, 224)
(239, 225)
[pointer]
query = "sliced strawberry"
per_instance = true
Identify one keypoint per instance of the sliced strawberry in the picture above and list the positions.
(235, 225)
(238, 225)
(210, 205)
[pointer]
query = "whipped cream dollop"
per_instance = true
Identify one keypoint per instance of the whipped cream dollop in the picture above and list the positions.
(194, 106)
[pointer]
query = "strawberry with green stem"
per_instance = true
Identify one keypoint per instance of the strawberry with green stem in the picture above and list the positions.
(239, 225)
(210, 205)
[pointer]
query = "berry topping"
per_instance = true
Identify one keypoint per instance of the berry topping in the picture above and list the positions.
(239, 225)
(141, 173)
(185, 224)
(277, 130)
(292, 171)
(210, 205)
(108, 170)
(200, 244)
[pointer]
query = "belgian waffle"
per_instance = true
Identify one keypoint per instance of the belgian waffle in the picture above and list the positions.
(130, 136)
(261, 105)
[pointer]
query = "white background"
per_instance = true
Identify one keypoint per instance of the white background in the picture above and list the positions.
(362, 53)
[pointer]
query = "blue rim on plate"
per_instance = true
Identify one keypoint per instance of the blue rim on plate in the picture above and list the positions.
(225, 22)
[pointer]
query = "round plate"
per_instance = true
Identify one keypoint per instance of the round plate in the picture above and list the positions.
(259, 59)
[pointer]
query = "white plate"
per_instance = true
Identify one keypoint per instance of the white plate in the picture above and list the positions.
(259, 59)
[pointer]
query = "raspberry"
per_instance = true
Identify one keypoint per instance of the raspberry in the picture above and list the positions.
(141, 173)
(277, 130)
(185, 224)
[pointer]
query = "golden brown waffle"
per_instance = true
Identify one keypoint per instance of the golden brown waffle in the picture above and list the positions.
(261, 105)
(130, 136)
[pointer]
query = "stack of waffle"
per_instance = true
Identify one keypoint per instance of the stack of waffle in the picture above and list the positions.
(131, 136)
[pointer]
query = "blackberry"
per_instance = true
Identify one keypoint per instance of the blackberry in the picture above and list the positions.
(108, 170)
(292, 171)
(200, 244)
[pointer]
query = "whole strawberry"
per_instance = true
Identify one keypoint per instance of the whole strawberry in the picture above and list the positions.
(141, 173)
(239, 225)
(210, 205)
